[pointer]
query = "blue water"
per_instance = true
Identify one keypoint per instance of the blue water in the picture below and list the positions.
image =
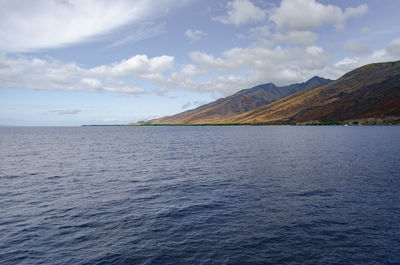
(200, 195)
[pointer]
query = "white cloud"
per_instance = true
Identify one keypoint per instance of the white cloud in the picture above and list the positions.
(304, 38)
(27, 25)
(393, 49)
(242, 12)
(234, 69)
(258, 57)
(356, 46)
(91, 84)
(195, 35)
(139, 65)
(95, 85)
(304, 15)
(190, 70)
(50, 74)
(240, 68)
(390, 53)
(208, 60)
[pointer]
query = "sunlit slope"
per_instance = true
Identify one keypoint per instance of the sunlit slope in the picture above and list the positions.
(243, 101)
(371, 91)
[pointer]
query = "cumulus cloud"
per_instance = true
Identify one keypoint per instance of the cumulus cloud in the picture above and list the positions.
(241, 12)
(195, 35)
(304, 38)
(292, 22)
(225, 74)
(304, 15)
(240, 68)
(262, 58)
(390, 53)
(139, 65)
(51, 74)
(27, 25)
(205, 59)
(91, 84)
(393, 49)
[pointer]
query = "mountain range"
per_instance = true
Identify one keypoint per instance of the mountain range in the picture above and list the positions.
(241, 102)
(367, 94)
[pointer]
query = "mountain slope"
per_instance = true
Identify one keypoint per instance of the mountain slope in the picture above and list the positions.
(369, 92)
(243, 101)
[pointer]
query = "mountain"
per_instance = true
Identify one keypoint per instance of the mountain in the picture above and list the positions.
(241, 102)
(369, 93)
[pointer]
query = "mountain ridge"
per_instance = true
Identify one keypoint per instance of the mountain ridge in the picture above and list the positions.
(240, 102)
(370, 93)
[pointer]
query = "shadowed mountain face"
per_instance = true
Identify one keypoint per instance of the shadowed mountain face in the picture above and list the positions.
(369, 92)
(241, 102)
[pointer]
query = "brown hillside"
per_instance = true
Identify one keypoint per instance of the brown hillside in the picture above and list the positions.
(243, 101)
(371, 91)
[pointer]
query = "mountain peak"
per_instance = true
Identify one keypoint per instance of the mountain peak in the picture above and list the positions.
(315, 77)
(368, 94)
(315, 81)
(243, 101)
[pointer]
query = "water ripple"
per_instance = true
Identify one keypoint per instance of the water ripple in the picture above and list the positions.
(200, 195)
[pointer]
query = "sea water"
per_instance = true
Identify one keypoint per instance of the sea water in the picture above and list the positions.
(200, 195)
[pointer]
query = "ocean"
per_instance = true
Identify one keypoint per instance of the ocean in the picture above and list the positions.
(200, 195)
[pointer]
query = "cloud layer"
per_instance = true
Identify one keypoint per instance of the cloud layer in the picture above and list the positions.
(51, 74)
(285, 52)
(240, 68)
(304, 15)
(241, 12)
(27, 25)
(235, 69)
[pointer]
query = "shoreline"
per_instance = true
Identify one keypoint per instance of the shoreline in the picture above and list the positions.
(242, 124)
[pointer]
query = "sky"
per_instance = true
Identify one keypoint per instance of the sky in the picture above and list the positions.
(74, 62)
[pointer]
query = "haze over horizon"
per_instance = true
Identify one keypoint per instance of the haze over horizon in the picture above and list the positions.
(85, 62)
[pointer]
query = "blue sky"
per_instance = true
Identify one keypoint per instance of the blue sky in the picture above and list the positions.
(70, 62)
